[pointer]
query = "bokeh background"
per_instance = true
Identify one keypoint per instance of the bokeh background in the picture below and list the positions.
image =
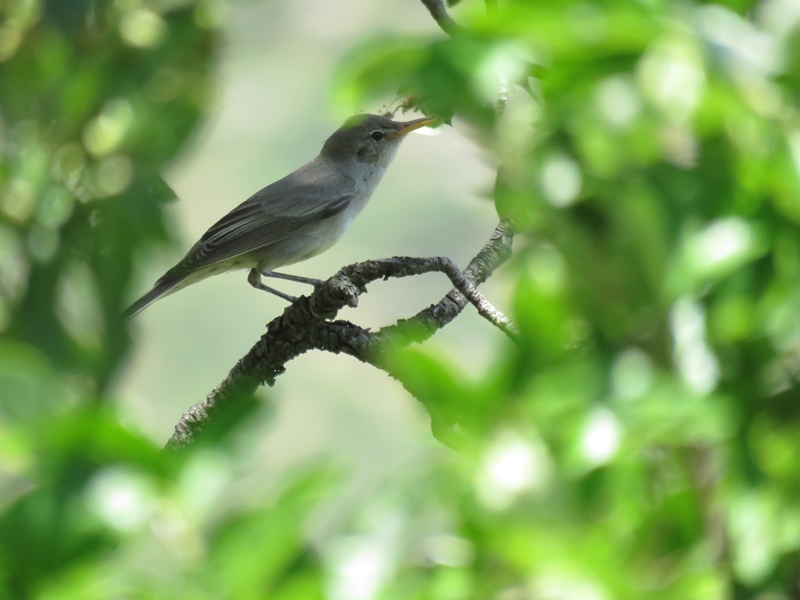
(638, 439)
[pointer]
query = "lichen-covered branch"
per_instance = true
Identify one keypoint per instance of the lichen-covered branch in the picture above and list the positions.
(428, 321)
(307, 324)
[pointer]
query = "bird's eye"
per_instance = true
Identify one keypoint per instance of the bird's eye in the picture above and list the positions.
(377, 135)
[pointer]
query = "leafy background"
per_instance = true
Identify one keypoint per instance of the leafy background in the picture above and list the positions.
(640, 441)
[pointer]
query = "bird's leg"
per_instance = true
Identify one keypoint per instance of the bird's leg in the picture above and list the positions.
(254, 279)
(308, 280)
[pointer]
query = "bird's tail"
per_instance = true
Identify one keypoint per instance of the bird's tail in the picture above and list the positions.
(164, 286)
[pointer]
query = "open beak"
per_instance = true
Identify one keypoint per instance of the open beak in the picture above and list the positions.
(410, 126)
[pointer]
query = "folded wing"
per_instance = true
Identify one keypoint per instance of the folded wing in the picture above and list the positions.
(275, 213)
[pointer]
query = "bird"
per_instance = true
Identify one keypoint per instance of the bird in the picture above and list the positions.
(296, 217)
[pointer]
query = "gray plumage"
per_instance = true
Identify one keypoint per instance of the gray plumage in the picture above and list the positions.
(296, 217)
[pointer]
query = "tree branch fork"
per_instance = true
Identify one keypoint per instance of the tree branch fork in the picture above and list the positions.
(309, 324)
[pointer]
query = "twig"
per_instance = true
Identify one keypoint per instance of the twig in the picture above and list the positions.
(305, 325)
(449, 26)
(428, 321)
(445, 21)
(363, 273)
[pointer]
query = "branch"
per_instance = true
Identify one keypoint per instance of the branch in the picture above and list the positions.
(307, 324)
(428, 321)
(445, 21)
(366, 272)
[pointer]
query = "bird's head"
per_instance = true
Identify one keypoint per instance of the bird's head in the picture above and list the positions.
(370, 138)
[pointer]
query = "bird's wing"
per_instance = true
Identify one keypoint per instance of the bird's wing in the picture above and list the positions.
(271, 215)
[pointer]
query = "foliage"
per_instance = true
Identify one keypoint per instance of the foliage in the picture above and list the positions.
(639, 442)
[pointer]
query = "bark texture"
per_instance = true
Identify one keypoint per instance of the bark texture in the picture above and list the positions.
(309, 324)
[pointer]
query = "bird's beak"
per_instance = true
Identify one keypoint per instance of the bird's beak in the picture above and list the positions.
(412, 125)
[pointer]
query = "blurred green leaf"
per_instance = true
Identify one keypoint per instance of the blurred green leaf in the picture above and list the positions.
(638, 442)
(258, 553)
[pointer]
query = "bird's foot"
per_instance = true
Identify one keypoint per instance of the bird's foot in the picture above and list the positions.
(254, 279)
(317, 283)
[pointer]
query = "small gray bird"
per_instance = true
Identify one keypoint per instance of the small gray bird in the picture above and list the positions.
(297, 217)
